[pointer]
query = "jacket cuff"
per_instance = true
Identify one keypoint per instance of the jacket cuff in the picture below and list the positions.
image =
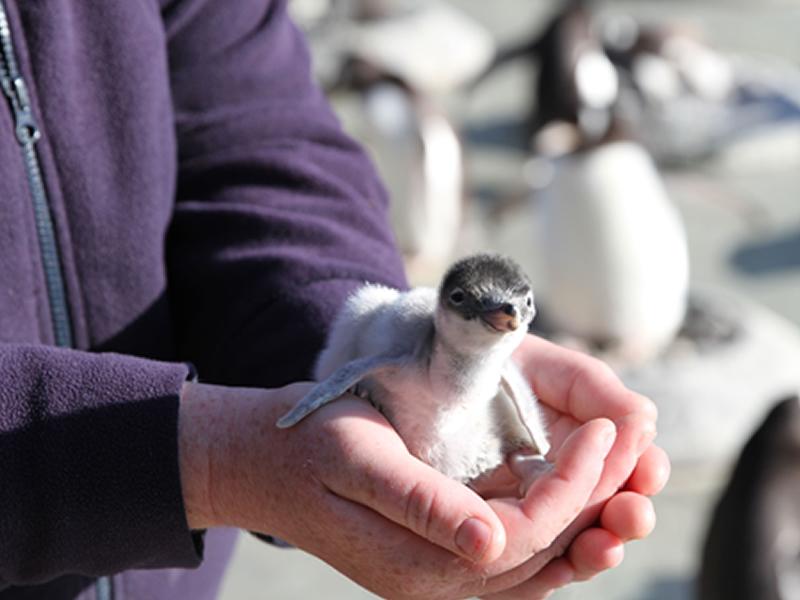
(91, 481)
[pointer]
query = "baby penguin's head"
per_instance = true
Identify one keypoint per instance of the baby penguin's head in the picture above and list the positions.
(482, 299)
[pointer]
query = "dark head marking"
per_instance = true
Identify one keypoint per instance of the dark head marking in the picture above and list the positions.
(487, 282)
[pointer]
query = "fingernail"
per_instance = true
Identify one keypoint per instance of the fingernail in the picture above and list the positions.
(473, 538)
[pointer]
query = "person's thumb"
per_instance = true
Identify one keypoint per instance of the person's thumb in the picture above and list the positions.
(383, 476)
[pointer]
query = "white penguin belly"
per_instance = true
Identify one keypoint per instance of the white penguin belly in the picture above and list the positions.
(614, 250)
(459, 437)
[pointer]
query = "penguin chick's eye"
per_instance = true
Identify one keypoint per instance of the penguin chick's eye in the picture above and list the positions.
(529, 301)
(457, 296)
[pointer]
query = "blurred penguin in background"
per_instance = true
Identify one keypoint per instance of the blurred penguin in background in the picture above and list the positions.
(576, 80)
(752, 550)
(613, 247)
(677, 92)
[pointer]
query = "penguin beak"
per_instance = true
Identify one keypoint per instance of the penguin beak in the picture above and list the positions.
(504, 318)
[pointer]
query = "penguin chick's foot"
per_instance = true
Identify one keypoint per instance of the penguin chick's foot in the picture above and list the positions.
(528, 468)
(513, 478)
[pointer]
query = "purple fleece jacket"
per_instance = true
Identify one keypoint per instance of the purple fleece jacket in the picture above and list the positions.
(207, 208)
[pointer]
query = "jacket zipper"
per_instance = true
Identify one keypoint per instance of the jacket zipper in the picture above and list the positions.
(27, 133)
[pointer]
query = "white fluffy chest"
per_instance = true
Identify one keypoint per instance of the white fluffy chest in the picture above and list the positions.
(456, 434)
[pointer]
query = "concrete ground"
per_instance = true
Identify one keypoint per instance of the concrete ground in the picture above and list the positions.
(744, 201)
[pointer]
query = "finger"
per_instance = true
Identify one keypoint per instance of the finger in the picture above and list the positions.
(384, 542)
(558, 496)
(595, 550)
(575, 474)
(617, 467)
(382, 475)
(556, 574)
(550, 506)
(577, 384)
(628, 516)
(634, 435)
(651, 473)
(380, 554)
(559, 429)
(577, 464)
(638, 430)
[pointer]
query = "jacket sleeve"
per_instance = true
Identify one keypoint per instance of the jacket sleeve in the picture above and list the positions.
(279, 214)
(89, 481)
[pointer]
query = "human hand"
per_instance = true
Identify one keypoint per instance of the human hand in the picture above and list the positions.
(342, 486)
(574, 388)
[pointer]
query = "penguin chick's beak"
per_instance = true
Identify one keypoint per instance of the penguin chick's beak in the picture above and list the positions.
(503, 319)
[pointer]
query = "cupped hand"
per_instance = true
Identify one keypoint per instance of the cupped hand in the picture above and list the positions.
(342, 486)
(574, 389)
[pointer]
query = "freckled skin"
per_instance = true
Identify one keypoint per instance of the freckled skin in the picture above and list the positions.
(306, 485)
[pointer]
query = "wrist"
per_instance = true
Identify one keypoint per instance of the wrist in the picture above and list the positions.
(227, 441)
(196, 424)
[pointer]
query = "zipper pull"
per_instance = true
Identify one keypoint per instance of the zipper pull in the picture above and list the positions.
(14, 88)
(26, 128)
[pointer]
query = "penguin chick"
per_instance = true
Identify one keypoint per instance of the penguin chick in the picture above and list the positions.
(438, 365)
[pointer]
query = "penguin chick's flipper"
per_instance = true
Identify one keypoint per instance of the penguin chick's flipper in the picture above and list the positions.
(337, 384)
(527, 418)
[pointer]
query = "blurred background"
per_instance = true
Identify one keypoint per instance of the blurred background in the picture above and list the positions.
(641, 160)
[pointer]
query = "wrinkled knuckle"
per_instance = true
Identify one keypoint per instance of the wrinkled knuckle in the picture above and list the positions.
(419, 508)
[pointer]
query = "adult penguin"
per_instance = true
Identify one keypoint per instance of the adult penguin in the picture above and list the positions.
(613, 248)
(752, 549)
